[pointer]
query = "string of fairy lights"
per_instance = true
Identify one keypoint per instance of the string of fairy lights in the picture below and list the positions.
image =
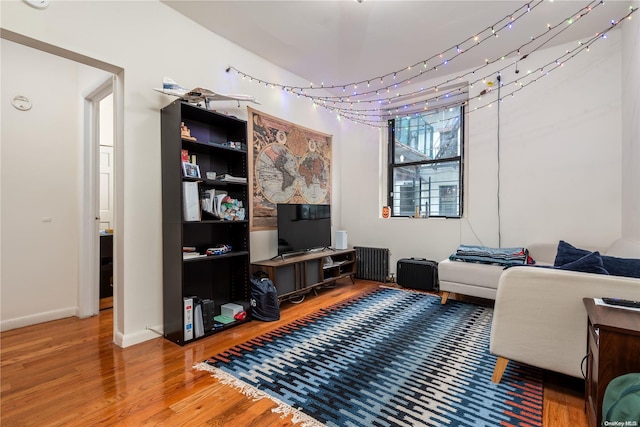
(530, 77)
(550, 35)
(359, 107)
(360, 97)
(478, 39)
(339, 100)
(363, 113)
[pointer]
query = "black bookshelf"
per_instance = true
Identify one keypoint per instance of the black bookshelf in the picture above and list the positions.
(222, 278)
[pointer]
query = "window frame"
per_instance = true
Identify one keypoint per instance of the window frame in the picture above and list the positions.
(392, 165)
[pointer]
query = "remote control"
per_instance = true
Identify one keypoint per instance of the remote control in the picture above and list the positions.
(622, 302)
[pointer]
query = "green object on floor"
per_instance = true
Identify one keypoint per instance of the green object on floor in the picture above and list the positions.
(224, 319)
(621, 404)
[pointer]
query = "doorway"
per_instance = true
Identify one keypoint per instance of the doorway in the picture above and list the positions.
(99, 197)
(101, 116)
(82, 272)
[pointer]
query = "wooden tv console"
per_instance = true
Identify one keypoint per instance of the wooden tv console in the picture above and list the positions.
(296, 275)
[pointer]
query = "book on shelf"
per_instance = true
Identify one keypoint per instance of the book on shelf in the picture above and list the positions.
(218, 198)
(188, 318)
(230, 178)
(185, 155)
(191, 201)
(208, 313)
(193, 255)
(206, 201)
(198, 325)
(211, 201)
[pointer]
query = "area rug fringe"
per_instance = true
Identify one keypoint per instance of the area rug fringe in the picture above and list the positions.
(251, 392)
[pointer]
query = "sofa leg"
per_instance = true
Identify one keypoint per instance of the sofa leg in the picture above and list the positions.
(444, 297)
(498, 371)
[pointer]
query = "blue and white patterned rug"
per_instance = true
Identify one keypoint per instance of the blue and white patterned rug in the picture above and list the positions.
(389, 357)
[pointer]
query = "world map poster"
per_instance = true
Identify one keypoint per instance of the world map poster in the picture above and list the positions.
(289, 164)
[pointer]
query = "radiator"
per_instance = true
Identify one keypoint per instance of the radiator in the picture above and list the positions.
(372, 263)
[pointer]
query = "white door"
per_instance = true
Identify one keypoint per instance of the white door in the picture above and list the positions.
(106, 187)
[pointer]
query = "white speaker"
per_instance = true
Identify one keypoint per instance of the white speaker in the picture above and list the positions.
(341, 239)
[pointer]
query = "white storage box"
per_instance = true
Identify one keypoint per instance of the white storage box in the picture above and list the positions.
(230, 310)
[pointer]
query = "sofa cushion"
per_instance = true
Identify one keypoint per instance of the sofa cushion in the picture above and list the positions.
(627, 267)
(543, 253)
(590, 263)
(624, 248)
(469, 273)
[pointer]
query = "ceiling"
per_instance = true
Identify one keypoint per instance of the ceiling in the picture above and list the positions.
(332, 42)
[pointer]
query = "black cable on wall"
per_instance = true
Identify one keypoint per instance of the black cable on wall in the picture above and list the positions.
(498, 172)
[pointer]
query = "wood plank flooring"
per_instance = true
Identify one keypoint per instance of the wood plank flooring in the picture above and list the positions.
(69, 373)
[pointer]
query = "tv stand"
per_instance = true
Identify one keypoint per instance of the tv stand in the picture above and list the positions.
(297, 275)
(308, 251)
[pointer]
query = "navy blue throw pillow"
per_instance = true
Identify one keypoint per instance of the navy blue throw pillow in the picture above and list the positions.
(567, 253)
(626, 267)
(590, 263)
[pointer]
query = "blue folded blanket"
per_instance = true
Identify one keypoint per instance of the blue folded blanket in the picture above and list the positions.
(485, 255)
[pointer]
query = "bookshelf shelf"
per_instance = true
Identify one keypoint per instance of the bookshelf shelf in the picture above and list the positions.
(213, 258)
(214, 280)
(194, 144)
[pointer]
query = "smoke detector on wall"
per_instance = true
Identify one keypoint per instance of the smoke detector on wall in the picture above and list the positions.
(38, 4)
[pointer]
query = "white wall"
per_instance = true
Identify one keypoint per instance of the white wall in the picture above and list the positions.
(123, 35)
(560, 166)
(631, 127)
(39, 187)
(40, 210)
(561, 151)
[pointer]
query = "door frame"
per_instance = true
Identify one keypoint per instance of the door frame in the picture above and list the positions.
(89, 239)
(89, 242)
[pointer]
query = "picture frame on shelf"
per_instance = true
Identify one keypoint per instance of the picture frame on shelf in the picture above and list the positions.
(190, 170)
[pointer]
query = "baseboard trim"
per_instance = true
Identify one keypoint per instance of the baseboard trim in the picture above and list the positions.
(34, 319)
(127, 340)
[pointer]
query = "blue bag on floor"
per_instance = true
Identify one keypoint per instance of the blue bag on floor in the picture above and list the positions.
(264, 299)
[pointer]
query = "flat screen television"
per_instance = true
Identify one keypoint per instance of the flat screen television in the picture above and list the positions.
(302, 227)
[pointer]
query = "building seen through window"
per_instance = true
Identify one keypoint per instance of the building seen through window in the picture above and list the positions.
(425, 163)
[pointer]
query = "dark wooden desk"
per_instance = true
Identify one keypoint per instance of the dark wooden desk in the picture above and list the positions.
(106, 265)
(613, 349)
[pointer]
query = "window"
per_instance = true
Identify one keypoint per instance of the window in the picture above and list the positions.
(425, 163)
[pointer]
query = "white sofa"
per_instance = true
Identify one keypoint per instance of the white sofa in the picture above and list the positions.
(481, 280)
(539, 317)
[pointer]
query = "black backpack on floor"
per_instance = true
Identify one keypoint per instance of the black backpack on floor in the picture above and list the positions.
(264, 298)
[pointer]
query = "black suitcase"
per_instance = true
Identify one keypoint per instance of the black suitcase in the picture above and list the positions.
(418, 273)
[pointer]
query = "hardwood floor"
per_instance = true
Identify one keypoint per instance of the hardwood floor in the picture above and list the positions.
(69, 373)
